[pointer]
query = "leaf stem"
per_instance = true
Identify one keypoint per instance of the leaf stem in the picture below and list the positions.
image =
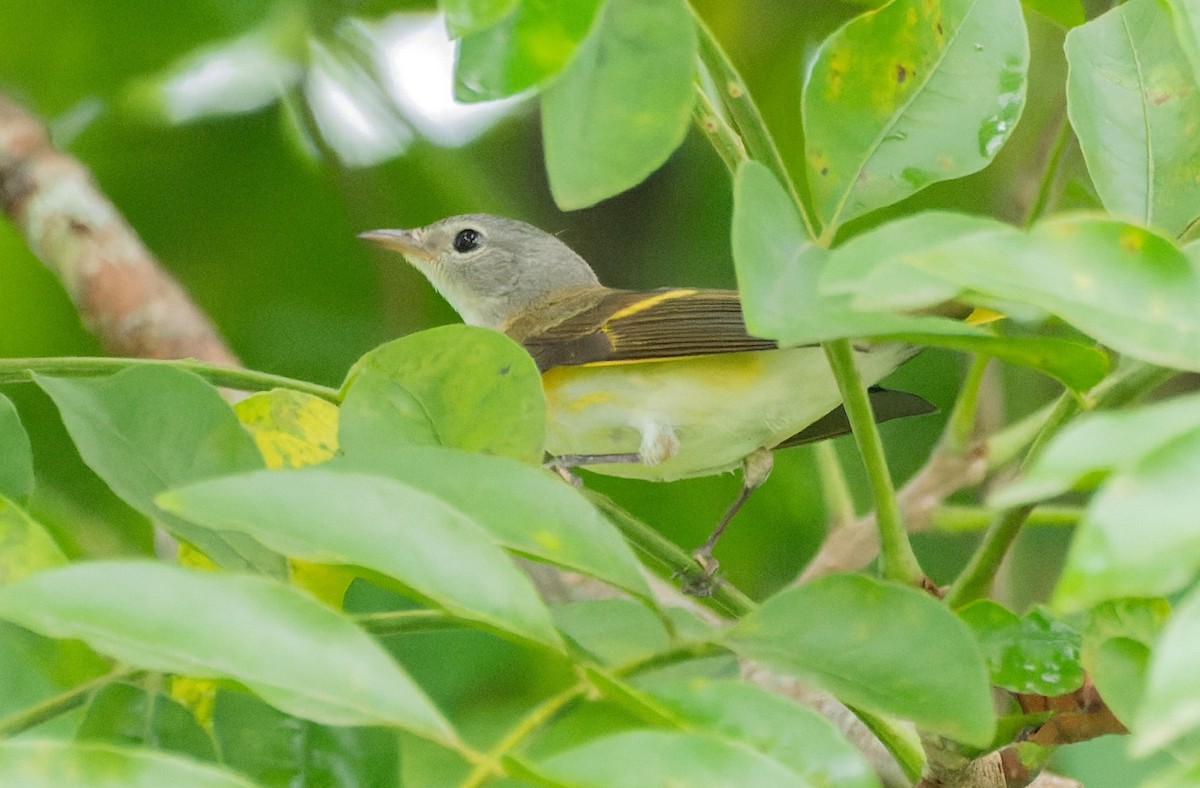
(400, 622)
(747, 119)
(897, 560)
(20, 370)
(1046, 184)
(960, 427)
(528, 724)
(835, 490)
(724, 594)
(720, 134)
(60, 704)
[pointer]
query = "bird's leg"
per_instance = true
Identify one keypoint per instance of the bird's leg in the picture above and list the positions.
(659, 443)
(755, 470)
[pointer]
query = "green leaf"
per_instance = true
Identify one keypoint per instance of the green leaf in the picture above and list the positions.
(526, 509)
(888, 648)
(798, 293)
(916, 92)
(276, 749)
(25, 546)
(145, 429)
(1032, 653)
(523, 50)
(794, 735)
(467, 16)
(1138, 536)
(458, 386)
(1096, 444)
(1169, 710)
(16, 456)
(1067, 13)
(295, 653)
(1186, 18)
(130, 716)
(623, 105)
(431, 548)
(665, 758)
(52, 764)
(1134, 103)
(1128, 287)
(613, 631)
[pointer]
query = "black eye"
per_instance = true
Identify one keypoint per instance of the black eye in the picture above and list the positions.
(466, 240)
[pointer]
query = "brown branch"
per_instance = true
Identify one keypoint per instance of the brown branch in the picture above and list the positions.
(133, 306)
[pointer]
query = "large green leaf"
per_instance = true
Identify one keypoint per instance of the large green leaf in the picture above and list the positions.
(145, 429)
(132, 716)
(613, 631)
(1033, 653)
(417, 539)
(53, 764)
(524, 49)
(798, 293)
(1138, 536)
(782, 729)
(915, 92)
(467, 16)
(884, 647)
(1169, 710)
(1134, 103)
(16, 456)
(526, 509)
(1127, 286)
(458, 386)
(623, 105)
(653, 757)
(1096, 444)
(1116, 650)
(1186, 17)
(294, 652)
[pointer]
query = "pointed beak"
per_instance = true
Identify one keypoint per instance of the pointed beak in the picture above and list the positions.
(407, 242)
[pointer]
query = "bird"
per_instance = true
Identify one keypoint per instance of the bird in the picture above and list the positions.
(658, 384)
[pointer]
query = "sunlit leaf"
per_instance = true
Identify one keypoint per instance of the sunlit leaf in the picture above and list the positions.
(613, 631)
(1067, 13)
(292, 651)
(52, 764)
(623, 105)
(145, 429)
(456, 386)
(523, 50)
(377, 523)
(910, 94)
(1186, 18)
(1138, 536)
(16, 456)
(665, 758)
(25, 546)
(1032, 653)
(884, 647)
(1134, 103)
(782, 729)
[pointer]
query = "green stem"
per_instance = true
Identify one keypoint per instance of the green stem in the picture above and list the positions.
(747, 119)
(960, 428)
(21, 370)
(960, 519)
(897, 561)
(527, 725)
(835, 490)
(1128, 382)
(721, 135)
(1050, 172)
(60, 704)
(399, 622)
(652, 543)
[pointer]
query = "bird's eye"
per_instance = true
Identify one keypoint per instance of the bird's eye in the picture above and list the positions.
(466, 240)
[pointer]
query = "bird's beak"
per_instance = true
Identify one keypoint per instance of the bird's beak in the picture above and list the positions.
(407, 242)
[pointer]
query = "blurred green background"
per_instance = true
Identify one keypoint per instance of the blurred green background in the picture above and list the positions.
(255, 209)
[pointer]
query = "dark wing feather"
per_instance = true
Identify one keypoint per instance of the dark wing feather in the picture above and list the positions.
(626, 325)
(885, 403)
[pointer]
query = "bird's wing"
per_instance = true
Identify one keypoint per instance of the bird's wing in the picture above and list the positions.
(886, 404)
(625, 326)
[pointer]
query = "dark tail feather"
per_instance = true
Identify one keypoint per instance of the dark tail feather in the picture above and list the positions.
(885, 403)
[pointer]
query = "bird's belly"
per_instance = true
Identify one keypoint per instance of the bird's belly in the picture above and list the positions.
(719, 407)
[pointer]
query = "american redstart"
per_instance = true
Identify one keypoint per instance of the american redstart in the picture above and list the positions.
(660, 384)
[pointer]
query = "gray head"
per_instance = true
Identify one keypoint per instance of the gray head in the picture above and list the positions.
(488, 267)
